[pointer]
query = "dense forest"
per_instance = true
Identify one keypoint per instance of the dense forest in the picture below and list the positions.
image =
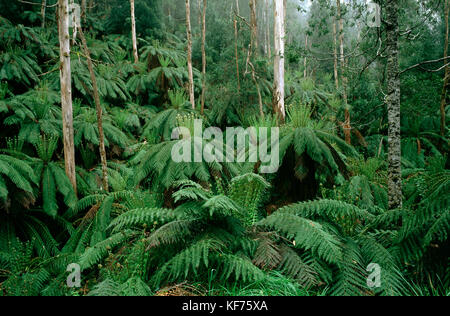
(98, 96)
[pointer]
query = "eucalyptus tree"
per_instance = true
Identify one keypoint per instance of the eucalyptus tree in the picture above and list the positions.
(66, 91)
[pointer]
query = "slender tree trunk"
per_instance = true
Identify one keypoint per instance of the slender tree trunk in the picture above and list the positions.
(341, 44)
(347, 123)
(66, 91)
(133, 33)
(189, 54)
(393, 105)
(43, 10)
(237, 53)
(305, 62)
(83, 11)
(253, 25)
(336, 74)
(203, 56)
(99, 112)
(445, 87)
(269, 46)
(279, 35)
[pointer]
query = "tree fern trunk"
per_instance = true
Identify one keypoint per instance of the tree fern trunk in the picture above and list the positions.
(66, 92)
(393, 105)
(99, 112)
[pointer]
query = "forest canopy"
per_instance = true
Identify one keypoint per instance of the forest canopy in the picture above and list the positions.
(339, 185)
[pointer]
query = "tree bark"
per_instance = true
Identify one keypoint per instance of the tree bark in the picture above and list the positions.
(269, 46)
(133, 33)
(189, 54)
(341, 45)
(253, 25)
(236, 53)
(347, 123)
(83, 10)
(66, 92)
(393, 105)
(203, 56)
(98, 106)
(43, 10)
(305, 62)
(447, 72)
(336, 74)
(279, 34)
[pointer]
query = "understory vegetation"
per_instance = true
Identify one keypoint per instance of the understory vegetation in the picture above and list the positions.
(164, 228)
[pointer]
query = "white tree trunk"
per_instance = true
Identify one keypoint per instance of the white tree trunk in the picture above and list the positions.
(203, 56)
(254, 26)
(336, 74)
(43, 10)
(189, 54)
(133, 33)
(66, 91)
(393, 105)
(279, 35)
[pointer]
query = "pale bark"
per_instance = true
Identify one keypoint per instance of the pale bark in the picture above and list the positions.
(393, 105)
(189, 54)
(341, 45)
(66, 92)
(253, 25)
(445, 87)
(237, 54)
(336, 74)
(203, 56)
(43, 10)
(305, 62)
(279, 37)
(269, 46)
(347, 125)
(133, 33)
(98, 106)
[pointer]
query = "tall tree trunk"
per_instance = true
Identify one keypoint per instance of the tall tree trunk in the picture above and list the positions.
(203, 56)
(253, 25)
(445, 87)
(393, 105)
(83, 11)
(43, 10)
(236, 53)
(305, 62)
(269, 46)
(189, 54)
(133, 33)
(66, 91)
(341, 45)
(279, 34)
(336, 74)
(98, 106)
(347, 125)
